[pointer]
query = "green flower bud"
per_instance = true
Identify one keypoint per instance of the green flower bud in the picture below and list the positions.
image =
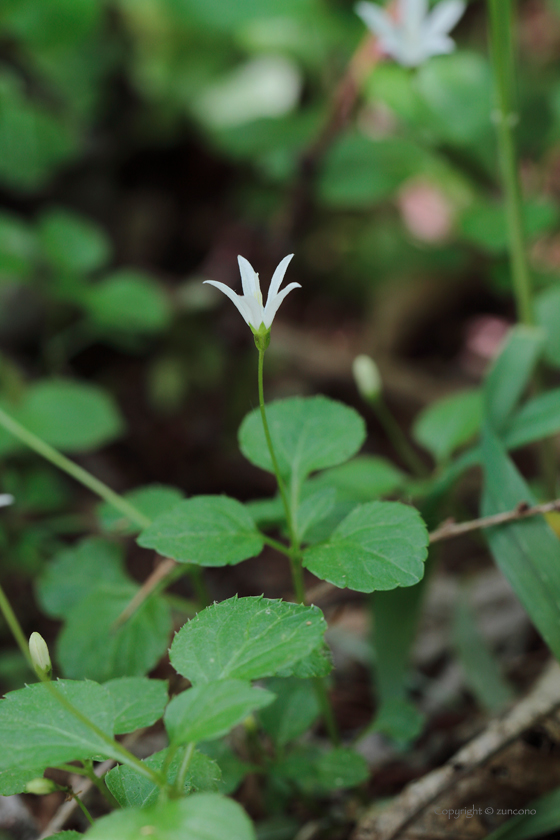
(40, 656)
(41, 786)
(367, 377)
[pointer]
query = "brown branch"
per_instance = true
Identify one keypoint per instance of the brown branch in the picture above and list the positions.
(417, 811)
(450, 529)
(163, 570)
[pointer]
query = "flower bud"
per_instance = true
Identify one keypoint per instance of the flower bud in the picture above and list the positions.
(40, 656)
(366, 377)
(41, 786)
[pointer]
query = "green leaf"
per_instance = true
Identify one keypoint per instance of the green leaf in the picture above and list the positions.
(543, 819)
(295, 709)
(380, 545)
(152, 501)
(538, 418)
(547, 311)
(209, 711)
(363, 479)
(358, 171)
(17, 248)
(313, 510)
(72, 416)
(66, 835)
(232, 767)
(481, 668)
(75, 571)
(36, 730)
(485, 224)
(510, 373)
(449, 423)
(318, 663)
(128, 301)
(308, 434)
(315, 771)
(15, 780)
(71, 243)
(132, 790)
(207, 530)
(458, 92)
(246, 638)
(527, 552)
(399, 719)
(139, 702)
(90, 646)
(203, 816)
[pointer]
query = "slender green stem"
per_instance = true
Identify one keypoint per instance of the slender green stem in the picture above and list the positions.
(283, 549)
(99, 783)
(15, 627)
(500, 14)
(70, 768)
(295, 553)
(398, 437)
(183, 769)
(82, 807)
(68, 466)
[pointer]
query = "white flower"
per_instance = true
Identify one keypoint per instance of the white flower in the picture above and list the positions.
(416, 34)
(6, 499)
(250, 304)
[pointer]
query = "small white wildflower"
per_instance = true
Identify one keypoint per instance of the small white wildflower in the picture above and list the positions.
(366, 377)
(40, 656)
(250, 304)
(416, 34)
(6, 499)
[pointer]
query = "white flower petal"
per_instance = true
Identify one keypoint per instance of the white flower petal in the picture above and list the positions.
(272, 304)
(256, 310)
(6, 499)
(236, 299)
(412, 13)
(445, 16)
(377, 20)
(249, 279)
(278, 276)
(439, 45)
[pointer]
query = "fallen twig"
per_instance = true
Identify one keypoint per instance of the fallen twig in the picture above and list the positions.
(472, 782)
(523, 510)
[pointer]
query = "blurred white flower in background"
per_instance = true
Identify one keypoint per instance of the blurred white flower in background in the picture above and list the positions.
(415, 34)
(6, 499)
(250, 304)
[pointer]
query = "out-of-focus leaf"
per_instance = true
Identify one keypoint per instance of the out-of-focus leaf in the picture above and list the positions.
(89, 645)
(128, 301)
(547, 311)
(296, 707)
(485, 225)
(510, 373)
(315, 771)
(358, 172)
(73, 244)
(527, 552)
(449, 423)
(72, 416)
(74, 572)
(152, 501)
(18, 248)
(538, 418)
(202, 816)
(481, 668)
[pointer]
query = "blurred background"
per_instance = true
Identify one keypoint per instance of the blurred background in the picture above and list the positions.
(145, 143)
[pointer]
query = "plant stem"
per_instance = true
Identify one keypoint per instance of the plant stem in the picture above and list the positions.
(398, 437)
(294, 554)
(82, 807)
(15, 627)
(500, 14)
(68, 466)
(99, 783)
